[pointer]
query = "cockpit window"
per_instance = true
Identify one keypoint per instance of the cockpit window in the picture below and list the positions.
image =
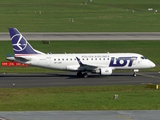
(143, 57)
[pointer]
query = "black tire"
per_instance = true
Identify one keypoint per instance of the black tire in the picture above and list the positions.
(85, 75)
(134, 74)
(79, 74)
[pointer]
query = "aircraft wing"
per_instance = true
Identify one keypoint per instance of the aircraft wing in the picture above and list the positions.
(87, 67)
(101, 69)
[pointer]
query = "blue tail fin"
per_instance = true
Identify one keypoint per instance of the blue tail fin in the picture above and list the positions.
(20, 44)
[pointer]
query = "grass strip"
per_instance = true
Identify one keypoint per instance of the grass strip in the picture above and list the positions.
(79, 15)
(130, 97)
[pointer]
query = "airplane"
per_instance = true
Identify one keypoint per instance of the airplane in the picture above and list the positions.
(98, 63)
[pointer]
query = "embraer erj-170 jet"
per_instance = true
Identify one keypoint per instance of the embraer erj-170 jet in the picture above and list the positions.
(99, 63)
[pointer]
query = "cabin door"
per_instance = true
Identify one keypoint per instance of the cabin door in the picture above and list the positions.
(48, 61)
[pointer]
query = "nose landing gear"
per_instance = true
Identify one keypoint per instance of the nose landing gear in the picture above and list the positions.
(134, 72)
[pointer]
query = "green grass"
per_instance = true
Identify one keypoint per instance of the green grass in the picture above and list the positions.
(100, 15)
(147, 48)
(130, 97)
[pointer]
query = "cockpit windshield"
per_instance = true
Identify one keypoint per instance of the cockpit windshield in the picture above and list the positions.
(142, 57)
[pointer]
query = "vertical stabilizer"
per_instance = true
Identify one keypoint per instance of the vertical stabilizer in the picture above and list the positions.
(20, 44)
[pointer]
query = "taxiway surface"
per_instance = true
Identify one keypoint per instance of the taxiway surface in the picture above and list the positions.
(70, 79)
(87, 36)
(82, 115)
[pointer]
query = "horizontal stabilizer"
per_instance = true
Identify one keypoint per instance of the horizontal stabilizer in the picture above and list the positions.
(22, 59)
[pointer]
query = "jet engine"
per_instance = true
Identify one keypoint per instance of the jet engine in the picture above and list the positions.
(105, 71)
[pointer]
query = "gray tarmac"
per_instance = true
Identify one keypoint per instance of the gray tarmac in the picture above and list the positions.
(70, 79)
(82, 115)
(87, 36)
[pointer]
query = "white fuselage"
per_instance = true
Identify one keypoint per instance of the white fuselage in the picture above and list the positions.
(100, 63)
(100, 60)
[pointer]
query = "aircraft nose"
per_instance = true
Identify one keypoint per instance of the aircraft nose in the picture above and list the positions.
(152, 64)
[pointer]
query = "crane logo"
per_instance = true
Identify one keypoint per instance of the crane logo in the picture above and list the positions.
(19, 43)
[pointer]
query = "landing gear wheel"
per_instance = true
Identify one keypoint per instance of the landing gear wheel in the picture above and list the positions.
(79, 74)
(134, 74)
(85, 75)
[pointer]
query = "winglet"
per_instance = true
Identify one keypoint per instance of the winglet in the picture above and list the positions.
(79, 61)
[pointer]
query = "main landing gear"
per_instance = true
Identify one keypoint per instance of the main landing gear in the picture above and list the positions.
(79, 74)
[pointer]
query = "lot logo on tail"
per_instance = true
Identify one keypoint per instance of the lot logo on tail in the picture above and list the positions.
(19, 43)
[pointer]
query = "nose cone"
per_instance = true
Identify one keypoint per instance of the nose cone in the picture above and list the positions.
(152, 64)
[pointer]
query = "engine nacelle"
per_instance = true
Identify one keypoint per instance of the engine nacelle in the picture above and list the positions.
(105, 71)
